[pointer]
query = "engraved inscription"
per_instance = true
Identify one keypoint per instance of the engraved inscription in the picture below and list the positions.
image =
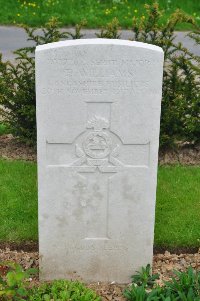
(100, 75)
(89, 245)
(97, 86)
(70, 61)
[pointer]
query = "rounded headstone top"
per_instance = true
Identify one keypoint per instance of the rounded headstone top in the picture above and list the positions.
(98, 41)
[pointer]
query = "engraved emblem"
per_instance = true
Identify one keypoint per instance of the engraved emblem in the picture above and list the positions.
(97, 145)
(98, 123)
(97, 148)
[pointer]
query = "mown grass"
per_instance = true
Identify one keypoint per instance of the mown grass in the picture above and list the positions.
(96, 12)
(177, 210)
(178, 207)
(18, 201)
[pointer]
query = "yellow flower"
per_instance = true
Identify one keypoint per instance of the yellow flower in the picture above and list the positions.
(135, 11)
(107, 11)
(18, 15)
(143, 17)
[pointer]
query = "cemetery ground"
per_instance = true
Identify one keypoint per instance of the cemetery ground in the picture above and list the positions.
(177, 226)
(177, 210)
(177, 215)
(97, 13)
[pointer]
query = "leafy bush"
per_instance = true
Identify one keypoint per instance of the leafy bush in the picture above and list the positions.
(184, 286)
(14, 286)
(17, 83)
(144, 277)
(3, 129)
(181, 82)
(63, 290)
(111, 31)
(17, 96)
(13, 282)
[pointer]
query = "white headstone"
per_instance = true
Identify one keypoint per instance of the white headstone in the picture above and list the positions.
(98, 119)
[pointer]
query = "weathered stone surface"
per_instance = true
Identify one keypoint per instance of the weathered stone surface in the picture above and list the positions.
(98, 115)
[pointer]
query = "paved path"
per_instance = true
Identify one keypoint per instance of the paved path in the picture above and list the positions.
(12, 38)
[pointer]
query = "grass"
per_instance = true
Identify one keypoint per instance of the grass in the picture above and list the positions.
(96, 12)
(18, 199)
(177, 211)
(178, 207)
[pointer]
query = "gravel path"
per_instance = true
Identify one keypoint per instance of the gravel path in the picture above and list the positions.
(164, 264)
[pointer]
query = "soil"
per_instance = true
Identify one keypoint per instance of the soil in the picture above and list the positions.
(187, 154)
(184, 154)
(25, 246)
(163, 264)
(11, 148)
(33, 246)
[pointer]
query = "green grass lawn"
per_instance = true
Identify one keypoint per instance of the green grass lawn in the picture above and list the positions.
(96, 12)
(177, 211)
(18, 199)
(178, 206)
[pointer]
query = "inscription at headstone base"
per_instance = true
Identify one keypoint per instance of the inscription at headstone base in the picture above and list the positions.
(98, 119)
